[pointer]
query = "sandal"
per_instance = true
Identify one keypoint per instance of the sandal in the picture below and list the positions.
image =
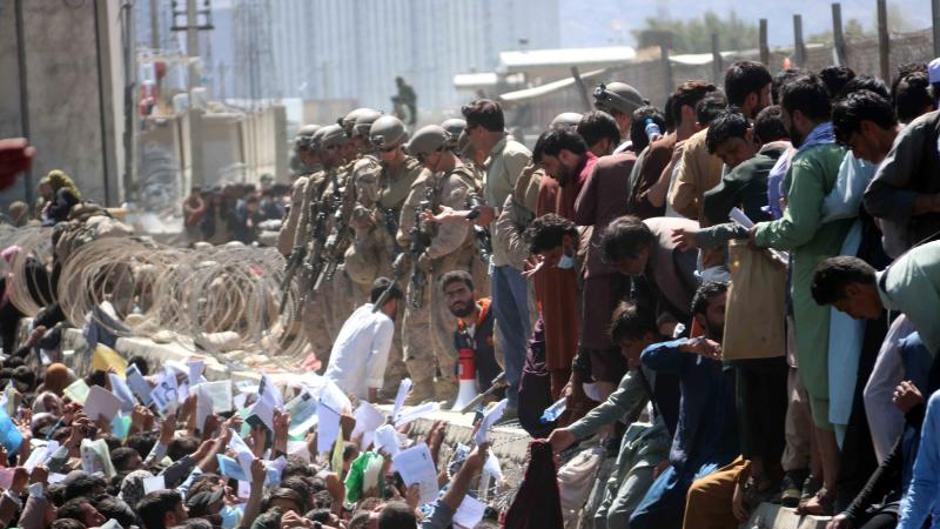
(819, 505)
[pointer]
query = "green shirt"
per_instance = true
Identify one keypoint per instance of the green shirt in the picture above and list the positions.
(811, 177)
(912, 285)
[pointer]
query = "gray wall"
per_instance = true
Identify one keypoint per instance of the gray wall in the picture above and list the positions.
(69, 127)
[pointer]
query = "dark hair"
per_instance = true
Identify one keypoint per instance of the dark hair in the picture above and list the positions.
(808, 95)
(142, 442)
(769, 126)
(668, 115)
(152, 507)
(486, 113)
(296, 466)
(597, 125)
(624, 238)
(141, 364)
(553, 141)
(866, 82)
(705, 293)
(548, 231)
(181, 446)
(83, 485)
(781, 78)
(835, 78)
(848, 114)
(359, 520)
(397, 515)
(903, 71)
(73, 508)
(382, 284)
(455, 276)
(713, 104)
(744, 78)
(835, 273)
(67, 523)
(300, 486)
(689, 94)
(730, 124)
(630, 323)
(318, 515)
(912, 97)
(638, 126)
(121, 458)
(111, 507)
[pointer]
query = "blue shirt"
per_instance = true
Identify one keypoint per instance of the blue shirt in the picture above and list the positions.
(924, 489)
(707, 430)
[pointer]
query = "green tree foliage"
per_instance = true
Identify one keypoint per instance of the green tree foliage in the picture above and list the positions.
(695, 35)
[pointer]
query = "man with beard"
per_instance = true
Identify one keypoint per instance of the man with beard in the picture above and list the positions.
(357, 362)
(706, 437)
(474, 325)
(567, 161)
(813, 173)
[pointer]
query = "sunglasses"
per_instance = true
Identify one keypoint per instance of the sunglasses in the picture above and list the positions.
(388, 149)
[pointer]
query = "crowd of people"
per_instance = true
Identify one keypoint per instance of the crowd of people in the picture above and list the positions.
(736, 294)
(697, 309)
(234, 212)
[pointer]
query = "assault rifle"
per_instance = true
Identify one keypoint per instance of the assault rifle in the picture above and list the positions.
(420, 241)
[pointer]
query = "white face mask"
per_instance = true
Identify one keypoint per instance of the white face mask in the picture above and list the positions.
(566, 262)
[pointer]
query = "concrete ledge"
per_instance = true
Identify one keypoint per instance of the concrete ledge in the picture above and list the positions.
(771, 516)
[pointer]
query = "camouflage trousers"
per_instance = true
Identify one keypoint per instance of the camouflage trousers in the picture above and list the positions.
(428, 330)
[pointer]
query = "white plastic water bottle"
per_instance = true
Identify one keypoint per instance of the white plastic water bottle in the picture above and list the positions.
(554, 411)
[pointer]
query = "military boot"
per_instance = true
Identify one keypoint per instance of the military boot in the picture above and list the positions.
(421, 392)
(445, 390)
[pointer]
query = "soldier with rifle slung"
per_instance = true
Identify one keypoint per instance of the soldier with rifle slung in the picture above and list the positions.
(434, 249)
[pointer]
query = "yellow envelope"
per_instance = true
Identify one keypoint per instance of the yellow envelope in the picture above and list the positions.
(104, 357)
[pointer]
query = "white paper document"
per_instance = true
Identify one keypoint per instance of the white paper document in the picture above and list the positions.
(469, 513)
(416, 466)
(489, 419)
(387, 438)
(101, 403)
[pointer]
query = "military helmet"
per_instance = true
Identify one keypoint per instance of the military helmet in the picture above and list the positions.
(619, 97)
(349, 119)
(304, 135)
(428, 140)
(565, 120)
(454, 126)
(364, 120)
(387, 132)
(331, 136)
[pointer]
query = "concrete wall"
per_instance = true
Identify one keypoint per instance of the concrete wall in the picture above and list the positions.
(74, 85)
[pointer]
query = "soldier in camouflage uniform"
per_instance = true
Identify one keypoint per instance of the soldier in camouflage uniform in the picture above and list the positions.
(382, 182)
(345, 293)
(312, 229)
(308, 163)
(428, 324)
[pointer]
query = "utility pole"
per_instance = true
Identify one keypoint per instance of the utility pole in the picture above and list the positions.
(192, 44)
(799, 49)
(884, 43)
(155, 25)
(764, 47)
(192, 28)
(838, 37)
(935, 8)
